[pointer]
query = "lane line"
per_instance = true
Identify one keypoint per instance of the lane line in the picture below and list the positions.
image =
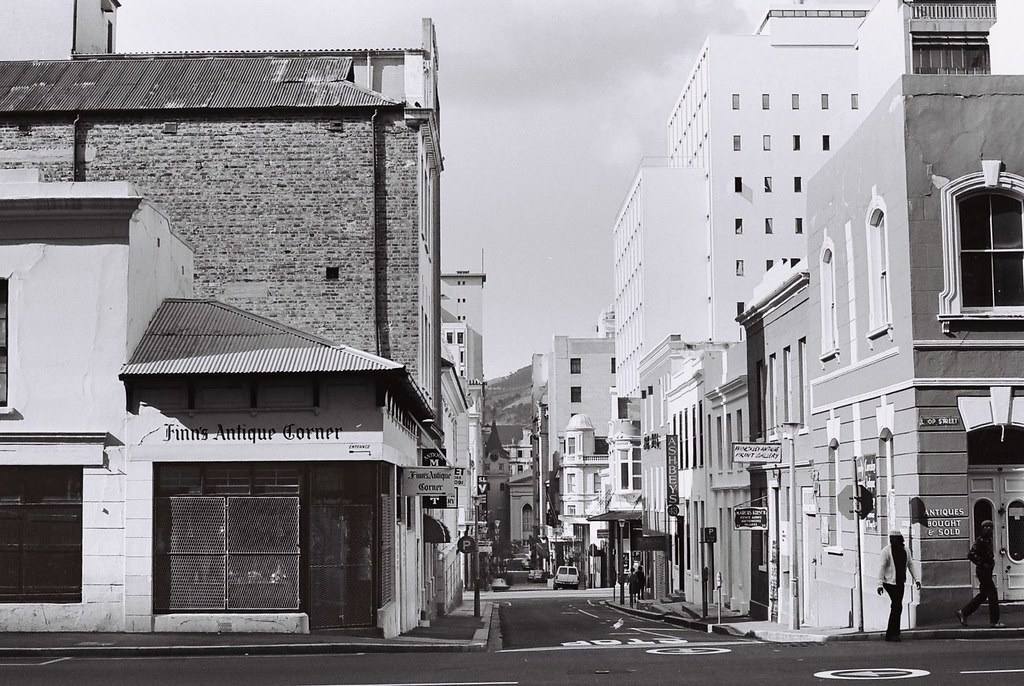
(438, 683)
(589, 614)
(34, 664)
(994, 671)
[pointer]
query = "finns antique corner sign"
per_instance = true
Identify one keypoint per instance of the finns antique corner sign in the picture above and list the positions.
(250, 434)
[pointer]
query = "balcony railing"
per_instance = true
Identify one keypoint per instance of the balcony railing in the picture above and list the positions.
(954, 10)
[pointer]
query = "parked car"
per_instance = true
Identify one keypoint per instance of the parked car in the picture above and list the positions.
(566, 577)
(499, 584)
(536, 575)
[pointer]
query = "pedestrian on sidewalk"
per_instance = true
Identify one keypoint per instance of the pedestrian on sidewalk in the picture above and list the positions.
(984, 560)
(892, 579)
(636, 580)
(641, 582)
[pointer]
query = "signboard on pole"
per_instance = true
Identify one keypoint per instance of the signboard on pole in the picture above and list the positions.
(465, 544)
(672, 469)
(757, 452)
(481, 485)
(432, 457)
(750, 519)
(429, 481)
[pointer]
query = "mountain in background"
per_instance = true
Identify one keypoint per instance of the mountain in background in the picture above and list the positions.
(508, 399)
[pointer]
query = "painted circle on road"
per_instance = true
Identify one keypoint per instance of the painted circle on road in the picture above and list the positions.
(696, 650)
(876, 674)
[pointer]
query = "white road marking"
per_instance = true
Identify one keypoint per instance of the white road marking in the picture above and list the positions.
(993, 671)
(439, 683)
(34, 664)
(589, 614)
(877, 674)
(689, 651)
(658, 632)
(594, 645)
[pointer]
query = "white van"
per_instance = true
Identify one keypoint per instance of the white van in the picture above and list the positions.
(566, 577)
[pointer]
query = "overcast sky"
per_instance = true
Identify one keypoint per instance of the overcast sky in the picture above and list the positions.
(547, 108)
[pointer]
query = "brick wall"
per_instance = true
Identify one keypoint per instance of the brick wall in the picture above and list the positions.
(268, 203)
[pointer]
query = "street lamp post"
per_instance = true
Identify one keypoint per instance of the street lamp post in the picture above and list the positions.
(789, 430)
(619, 572)
(476, 557)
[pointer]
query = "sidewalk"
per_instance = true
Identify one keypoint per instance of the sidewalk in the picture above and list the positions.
(734, 624)
(457, 631)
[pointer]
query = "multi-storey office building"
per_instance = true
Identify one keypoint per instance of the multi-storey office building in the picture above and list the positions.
(462, 299)
(758, 116)
(581, 373)
(657, 288)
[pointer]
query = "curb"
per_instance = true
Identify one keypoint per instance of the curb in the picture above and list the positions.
(781, 636)
(227, 650)
(479, 643)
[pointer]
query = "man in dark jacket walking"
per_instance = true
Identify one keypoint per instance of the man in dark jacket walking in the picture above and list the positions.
(984, 561)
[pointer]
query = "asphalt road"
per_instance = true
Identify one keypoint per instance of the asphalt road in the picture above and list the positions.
(565, 638)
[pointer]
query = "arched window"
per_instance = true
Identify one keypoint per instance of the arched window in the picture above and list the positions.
(880, 307)
(528, 521)
(829, 316)
(983, 245)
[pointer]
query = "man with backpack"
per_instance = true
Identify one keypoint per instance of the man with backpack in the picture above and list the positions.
(983, 557)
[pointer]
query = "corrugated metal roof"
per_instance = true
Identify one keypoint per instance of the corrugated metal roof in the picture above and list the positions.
(162, 83)
(209, 337)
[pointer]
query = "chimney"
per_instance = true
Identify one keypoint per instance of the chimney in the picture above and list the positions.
(56, 29)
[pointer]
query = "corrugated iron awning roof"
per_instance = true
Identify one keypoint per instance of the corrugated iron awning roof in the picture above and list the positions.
(175, 83)
(209, 337)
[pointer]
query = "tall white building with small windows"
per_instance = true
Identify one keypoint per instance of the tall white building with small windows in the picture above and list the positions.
(758, 122)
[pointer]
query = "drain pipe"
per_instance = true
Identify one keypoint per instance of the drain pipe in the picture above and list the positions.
(373, 221)
(77, 150)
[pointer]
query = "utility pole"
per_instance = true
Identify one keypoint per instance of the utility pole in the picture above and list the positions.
(476, 557)
(789, 435)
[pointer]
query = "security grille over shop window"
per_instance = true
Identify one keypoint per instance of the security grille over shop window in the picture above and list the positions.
(238, 553)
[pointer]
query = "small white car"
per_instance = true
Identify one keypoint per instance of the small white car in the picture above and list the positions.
(566, 577)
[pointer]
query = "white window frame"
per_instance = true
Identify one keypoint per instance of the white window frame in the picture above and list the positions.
(879, 273)
(14, 297)
(829, 314)
(990, 180)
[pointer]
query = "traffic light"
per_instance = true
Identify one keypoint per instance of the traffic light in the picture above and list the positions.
(865, 502)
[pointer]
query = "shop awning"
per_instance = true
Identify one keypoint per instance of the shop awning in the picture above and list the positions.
(617, 515)
(435, 531)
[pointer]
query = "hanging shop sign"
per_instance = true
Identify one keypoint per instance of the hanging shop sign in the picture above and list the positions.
(750, 519)
(756, 452)
(672, 469)
(429, 481)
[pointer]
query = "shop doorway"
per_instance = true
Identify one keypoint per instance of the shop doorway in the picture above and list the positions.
(998, 495)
